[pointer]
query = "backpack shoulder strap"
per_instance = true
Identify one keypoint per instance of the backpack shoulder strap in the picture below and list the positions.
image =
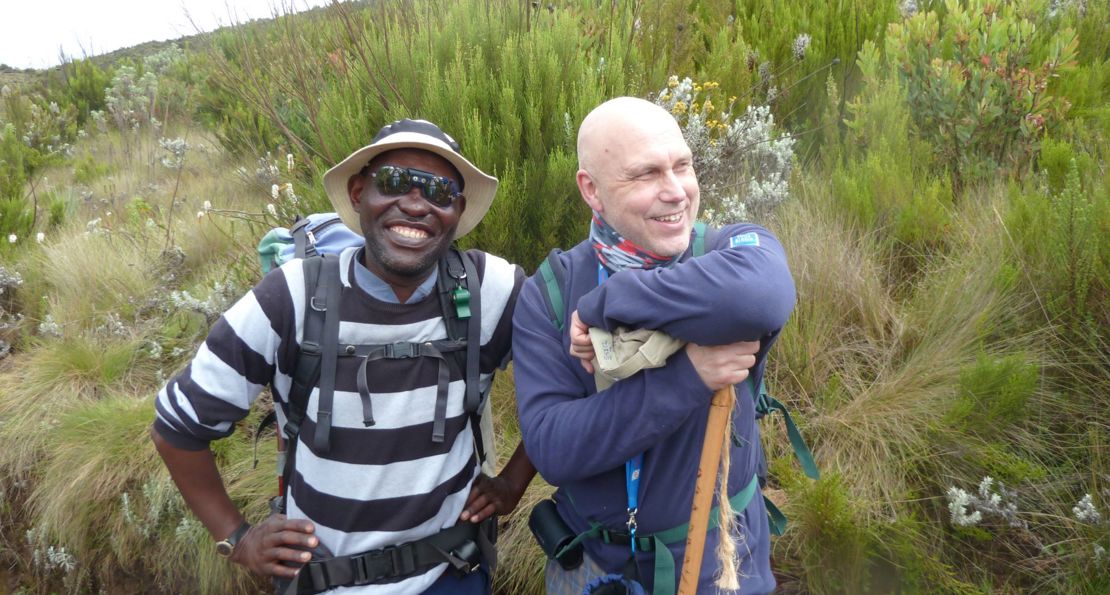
(306, 372)
(460, 299)
(326, 299)
(552, 280)
(704, 235)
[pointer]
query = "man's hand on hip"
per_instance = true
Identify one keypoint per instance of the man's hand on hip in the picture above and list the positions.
(273, 541)
(723, 365)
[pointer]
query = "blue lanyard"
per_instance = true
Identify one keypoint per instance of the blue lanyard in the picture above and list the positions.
(633, 466)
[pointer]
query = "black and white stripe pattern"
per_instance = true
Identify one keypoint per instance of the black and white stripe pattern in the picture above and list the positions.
(376, 486)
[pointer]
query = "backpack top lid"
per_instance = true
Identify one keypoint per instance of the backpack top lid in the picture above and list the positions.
(320, 233)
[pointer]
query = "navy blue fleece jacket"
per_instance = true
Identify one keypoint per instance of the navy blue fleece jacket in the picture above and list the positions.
(579, 439)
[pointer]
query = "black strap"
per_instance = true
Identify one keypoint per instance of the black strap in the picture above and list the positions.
(307, 369)
(457, 269)
(406, 350)
(473, 336)
(459, 546)
(329, 348)
(301, 246)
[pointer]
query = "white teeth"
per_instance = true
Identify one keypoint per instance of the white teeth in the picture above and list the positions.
(669, 218)
(409, 232)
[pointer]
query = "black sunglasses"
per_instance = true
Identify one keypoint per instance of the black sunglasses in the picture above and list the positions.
(438, 190)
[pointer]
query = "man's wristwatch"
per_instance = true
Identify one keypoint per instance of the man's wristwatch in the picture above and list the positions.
(225, 547)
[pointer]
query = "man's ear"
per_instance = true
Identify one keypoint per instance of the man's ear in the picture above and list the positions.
(355, 184)
(587, 187)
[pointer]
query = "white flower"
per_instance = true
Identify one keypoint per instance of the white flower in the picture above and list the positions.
(271, 209)
(207, 205)
(908, 8)
(958, 503)
(40, 237)
(289, 162)
(12, 238)
(274, 191)
(801, 44)
(200, 215)
(1085, 511)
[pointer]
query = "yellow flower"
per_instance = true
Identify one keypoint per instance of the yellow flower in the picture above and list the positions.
(679, 107)
(732, 99)
(697, 88)
(707, 106)
(672, 82)
(665, 97)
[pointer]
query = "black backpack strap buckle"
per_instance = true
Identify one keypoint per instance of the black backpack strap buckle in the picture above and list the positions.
(402, 350)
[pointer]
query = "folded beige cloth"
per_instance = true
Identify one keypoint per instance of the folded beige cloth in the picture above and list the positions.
(624, 352)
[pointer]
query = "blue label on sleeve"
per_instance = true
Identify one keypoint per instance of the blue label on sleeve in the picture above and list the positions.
(744, 239)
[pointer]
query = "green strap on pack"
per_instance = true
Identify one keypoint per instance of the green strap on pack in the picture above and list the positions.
(699, 238)
(775, 518)
(553, 291)
(766, 404)
(665, 583)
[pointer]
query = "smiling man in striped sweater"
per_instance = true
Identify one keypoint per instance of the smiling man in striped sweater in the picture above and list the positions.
(397, 466)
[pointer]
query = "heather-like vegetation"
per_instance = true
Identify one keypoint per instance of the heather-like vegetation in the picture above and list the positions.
(938, 173)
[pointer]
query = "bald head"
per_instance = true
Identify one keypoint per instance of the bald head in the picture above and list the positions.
(636, 171)
(604, 128)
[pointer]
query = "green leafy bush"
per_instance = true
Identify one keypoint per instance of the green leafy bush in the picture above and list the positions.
(977, 78)
(1064, 248)
(80, 83)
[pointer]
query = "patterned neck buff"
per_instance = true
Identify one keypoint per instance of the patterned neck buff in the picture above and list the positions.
(617, 254)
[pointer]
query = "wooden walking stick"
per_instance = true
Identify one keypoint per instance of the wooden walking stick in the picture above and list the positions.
(719, 410)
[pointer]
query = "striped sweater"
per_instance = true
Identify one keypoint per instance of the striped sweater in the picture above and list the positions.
(376, 486)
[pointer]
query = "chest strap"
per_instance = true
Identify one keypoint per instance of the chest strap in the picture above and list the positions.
(665, 582)
(405, 350)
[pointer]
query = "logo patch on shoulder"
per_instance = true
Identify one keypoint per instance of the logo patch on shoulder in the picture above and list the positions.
(744, 239)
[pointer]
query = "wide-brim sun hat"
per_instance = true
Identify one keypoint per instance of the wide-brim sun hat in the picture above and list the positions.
(478, 187)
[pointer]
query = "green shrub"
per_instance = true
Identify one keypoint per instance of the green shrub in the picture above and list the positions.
(994, 393)
(976, 77)
(1063, 246)
(836, 31)
(837, 544)
(88, 169)
(80, 83)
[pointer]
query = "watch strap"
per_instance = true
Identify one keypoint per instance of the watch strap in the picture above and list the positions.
(226, 546)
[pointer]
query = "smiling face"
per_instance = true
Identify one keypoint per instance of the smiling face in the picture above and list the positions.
(637, 172)
(405, 234)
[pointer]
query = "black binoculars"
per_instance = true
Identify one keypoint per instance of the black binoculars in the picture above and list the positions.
(553, 535)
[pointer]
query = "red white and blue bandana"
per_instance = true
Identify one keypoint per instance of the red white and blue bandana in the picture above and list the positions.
(616, 253)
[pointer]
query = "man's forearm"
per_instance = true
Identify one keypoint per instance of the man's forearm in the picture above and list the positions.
(519, 471)
(201, 486)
